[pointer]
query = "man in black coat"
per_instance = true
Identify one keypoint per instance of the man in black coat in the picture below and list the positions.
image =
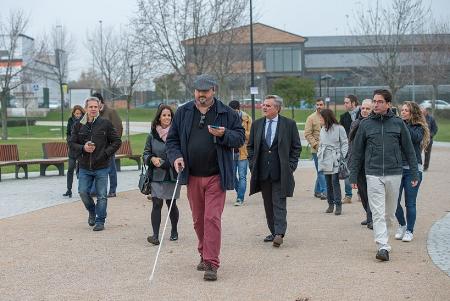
(273, 151)
(94, 140)
(351, 106)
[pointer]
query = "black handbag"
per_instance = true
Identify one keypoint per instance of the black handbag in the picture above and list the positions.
(343, 171)
(145, 181)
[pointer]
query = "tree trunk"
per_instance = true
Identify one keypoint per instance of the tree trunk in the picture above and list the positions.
(4, 102)
(26, 120)
(128, 118)
(61, 90)
(293, 113)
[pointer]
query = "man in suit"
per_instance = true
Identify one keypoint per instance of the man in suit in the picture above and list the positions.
(273, 151)
(351, 106)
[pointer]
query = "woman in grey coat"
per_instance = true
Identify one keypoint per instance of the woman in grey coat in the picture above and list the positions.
(333, 146)
(163, 174)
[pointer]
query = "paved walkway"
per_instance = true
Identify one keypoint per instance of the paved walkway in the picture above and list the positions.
(52, 254)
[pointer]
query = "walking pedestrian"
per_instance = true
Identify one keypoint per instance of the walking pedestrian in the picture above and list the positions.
(365, 110)
(433, 128)
(420, 137)
(240, 155)
(110, 114)
(273, 151)
(163, 174)
(77, 114)
(312, 135)
(352, 108)
(333, 148)
(199, 145)
(379, 143)
(94, 140)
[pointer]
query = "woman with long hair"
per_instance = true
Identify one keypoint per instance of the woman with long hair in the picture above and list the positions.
(420, 136)
(163, 175)
(333, 147)
(76, 115)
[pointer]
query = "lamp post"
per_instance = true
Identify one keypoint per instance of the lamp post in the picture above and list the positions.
(412, 62)
(60, 65)
(252, 66)
(327, 77)
(101, 55)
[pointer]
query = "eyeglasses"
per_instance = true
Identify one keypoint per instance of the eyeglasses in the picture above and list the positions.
(201, 124)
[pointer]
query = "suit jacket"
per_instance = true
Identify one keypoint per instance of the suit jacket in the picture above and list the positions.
(346, 122)
(289, 149)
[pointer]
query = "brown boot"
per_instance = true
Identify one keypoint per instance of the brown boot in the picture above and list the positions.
(347, 200)
(210, 272)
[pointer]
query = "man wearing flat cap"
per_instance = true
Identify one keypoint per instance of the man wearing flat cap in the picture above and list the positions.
(200, 146)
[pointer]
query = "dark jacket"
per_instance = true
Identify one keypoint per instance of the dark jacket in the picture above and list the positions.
(156, 147)
(432, 125)
(416, 131)
(289, 149)
(346, 121)
(72, 120)
(111, 115)
(379, 144)
(234, 137)
(106, 140)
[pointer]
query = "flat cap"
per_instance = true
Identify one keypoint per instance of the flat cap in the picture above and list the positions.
(204, 82)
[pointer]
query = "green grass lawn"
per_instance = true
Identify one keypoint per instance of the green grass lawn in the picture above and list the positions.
(443, 133)
(36, 131)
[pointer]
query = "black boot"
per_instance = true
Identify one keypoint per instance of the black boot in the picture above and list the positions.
(330, 208)
(338, 210)
(68, 193)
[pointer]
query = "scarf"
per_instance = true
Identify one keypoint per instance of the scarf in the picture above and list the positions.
(162, 132)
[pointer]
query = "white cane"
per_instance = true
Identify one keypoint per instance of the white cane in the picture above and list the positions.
(165, 226)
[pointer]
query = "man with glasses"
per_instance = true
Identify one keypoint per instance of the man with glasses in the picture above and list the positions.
(273, 151)
(381, 141)
(200, 146)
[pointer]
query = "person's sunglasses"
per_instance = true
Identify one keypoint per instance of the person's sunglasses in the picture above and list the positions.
(201, 124)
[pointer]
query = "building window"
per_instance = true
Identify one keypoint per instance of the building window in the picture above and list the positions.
(286, 59)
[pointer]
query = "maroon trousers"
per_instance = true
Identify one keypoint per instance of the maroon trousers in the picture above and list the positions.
(207, 200)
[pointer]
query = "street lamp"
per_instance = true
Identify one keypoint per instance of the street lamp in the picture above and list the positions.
(252, 65)
(412, 63)
(327, 77)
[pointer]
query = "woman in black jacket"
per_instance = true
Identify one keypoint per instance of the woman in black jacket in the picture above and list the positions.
(420, 137)
(77, 114)
(163, 174)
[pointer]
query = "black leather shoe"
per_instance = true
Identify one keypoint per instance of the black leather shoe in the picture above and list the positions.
(382, 255)
(98, 227)
(364, 222)
(173, 236)
(153, 240)
(112, 195)
(269, 238)
(68, 193)
(370, 225)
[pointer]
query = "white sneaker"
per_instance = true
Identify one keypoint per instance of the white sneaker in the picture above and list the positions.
(408, 236)
(400, 232)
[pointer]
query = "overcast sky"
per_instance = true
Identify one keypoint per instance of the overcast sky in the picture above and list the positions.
(303, 17)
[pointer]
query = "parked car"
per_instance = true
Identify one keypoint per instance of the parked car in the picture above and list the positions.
(54, 104)
(440, 104)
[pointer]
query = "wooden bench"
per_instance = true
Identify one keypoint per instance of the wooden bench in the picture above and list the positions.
(57, 153)
(126, 152)
(9, 156)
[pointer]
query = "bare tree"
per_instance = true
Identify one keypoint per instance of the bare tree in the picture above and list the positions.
(434, 57)
(105, 45)
(17, 58)
(191, 36)
(385, 30)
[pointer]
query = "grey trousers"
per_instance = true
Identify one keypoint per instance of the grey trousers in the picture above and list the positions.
(275, 207)
(383, 195)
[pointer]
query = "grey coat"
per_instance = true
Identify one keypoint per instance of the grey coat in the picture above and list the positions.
(332, 143)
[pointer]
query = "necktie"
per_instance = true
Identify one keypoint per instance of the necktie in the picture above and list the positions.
(269, 133)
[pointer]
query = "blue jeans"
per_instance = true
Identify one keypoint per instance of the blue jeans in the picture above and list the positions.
(321, 185)
(85, 181)
(240, 182)
(348, 187)
(410, 200)
(112, 177)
